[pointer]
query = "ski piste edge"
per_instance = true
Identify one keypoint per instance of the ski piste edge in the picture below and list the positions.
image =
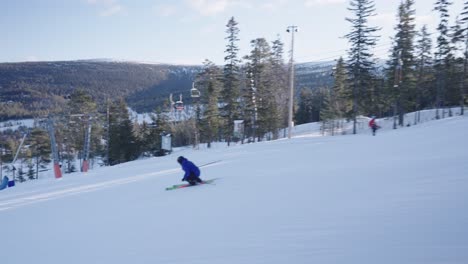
(185, 185)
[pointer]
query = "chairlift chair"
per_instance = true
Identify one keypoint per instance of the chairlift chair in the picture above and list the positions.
(194, 92)
(179, 105)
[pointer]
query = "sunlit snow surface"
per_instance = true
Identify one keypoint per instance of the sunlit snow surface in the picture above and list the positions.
(399, 197)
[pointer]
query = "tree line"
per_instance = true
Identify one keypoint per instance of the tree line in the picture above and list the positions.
(419, 73)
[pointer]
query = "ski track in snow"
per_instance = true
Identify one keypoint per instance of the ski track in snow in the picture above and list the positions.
(63, 192)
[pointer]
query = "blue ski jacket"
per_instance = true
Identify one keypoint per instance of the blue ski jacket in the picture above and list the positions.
(189, 168)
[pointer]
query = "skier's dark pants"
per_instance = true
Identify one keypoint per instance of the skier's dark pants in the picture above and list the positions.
(374, 128)
(193, 179)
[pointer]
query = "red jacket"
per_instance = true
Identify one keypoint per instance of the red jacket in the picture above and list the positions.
(372, 123)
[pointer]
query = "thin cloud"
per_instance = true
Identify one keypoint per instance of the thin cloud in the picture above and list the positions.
(165, 10)
(113, 10)
(273, 5)
(101, 2)
(208, 7)
(109, 7)
(213, 7)
(311, 3)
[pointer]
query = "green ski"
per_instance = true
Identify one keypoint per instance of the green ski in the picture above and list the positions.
(184, 185)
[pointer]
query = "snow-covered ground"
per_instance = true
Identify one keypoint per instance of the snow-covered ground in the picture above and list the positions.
(15, 124)
(399, 197)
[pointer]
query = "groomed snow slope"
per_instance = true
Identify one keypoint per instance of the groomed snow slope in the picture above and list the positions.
(399, 197)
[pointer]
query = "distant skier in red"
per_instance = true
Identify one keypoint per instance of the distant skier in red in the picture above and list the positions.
(373, 125)
(192, 172)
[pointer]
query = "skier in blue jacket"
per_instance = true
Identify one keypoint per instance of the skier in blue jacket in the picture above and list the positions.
(192, 172)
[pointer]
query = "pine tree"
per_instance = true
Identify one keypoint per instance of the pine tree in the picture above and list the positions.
(443, 54)
(462, 35)
(262, 94)
(248, 102)
(230, 92)
(328, 112)
(209, 82)
(40, 149)
(123, 145)
(280, 82)
(343, 104)
(402, 62)
(455, 93)
(82, 112)
(335, 104)
(424, 72)
(360, 63)
(143, 138)
(305, 110)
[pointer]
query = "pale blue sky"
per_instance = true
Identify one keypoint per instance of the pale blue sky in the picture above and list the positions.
(184, 31)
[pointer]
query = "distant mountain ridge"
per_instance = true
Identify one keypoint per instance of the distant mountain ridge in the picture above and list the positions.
(29, 89)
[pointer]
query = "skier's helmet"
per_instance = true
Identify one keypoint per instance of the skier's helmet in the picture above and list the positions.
(180, 159)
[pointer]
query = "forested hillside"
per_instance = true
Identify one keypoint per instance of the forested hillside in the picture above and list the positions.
(32, 89)
(38, 88)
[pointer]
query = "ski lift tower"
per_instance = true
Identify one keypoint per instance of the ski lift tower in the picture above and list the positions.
(291, 29)
(87, 144)
(53, 143)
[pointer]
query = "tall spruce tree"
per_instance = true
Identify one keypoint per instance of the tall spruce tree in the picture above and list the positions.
(402, 62)
(343, 104)
(260, 62)
(455, 93)
(123, 145)
(443, 54)
(249, 102)
(40, 149)
(424, 72)
(463, 36)
(82, 112)
(305, 110)
(336, 104)
(231, 90)
(328, 112)
(280, 87)
(211, 86)
(360, 63)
